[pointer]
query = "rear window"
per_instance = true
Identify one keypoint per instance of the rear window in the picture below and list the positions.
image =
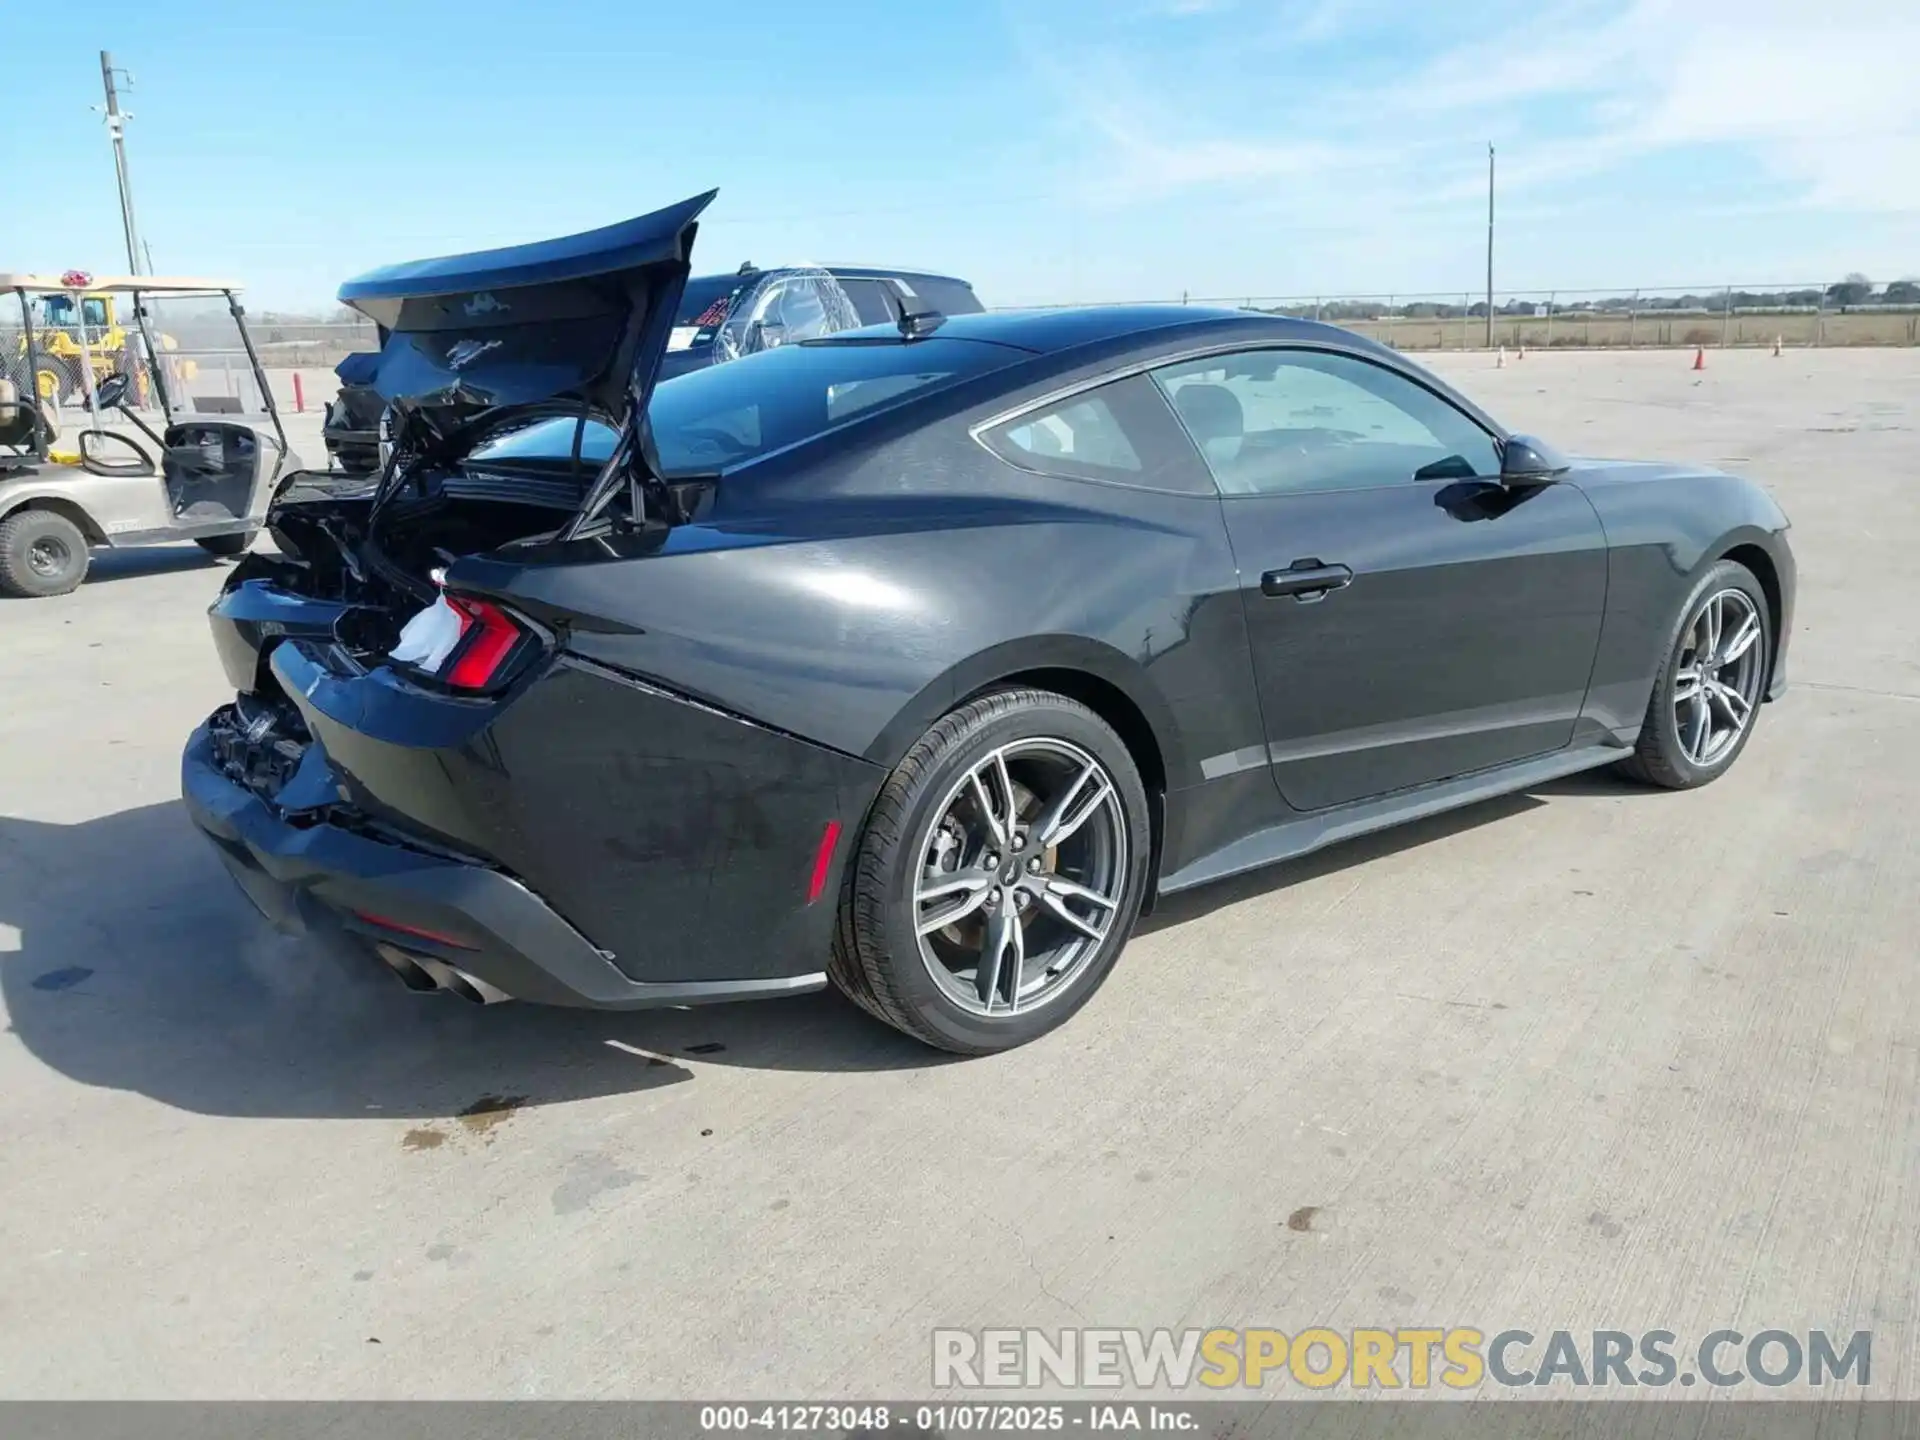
(721, 416)
(727, 414)
(703, 306)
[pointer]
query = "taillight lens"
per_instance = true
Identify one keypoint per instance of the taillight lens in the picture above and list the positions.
(488, 638)
(463, 641)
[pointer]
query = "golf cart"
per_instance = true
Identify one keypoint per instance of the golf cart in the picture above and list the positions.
(178, 442)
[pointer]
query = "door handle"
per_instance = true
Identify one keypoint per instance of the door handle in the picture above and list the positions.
(1306, 580)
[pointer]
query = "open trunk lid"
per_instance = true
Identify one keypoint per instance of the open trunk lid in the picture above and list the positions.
(581, 318)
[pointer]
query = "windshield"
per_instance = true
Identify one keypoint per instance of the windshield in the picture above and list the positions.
(715, 418)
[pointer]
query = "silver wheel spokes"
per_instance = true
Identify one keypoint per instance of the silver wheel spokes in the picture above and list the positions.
(1717, 683)
(1019, 879)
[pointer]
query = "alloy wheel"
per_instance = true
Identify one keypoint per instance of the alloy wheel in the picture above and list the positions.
(1019, 877)
(1716, 685)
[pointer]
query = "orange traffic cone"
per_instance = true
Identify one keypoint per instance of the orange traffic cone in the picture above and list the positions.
(1700, 357)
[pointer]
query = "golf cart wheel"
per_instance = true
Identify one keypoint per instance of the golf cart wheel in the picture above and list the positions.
(226, 546)
(53, 380)
(41, 553)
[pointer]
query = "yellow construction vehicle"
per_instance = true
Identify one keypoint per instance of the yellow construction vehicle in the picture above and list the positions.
(73, 327)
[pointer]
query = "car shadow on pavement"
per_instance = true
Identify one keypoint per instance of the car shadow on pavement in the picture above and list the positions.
(140, 561)
(138, 966)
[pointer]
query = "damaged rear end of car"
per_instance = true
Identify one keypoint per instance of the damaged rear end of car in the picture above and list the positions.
(417, 763)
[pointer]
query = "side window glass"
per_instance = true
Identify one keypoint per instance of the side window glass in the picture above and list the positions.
(1119, 432)
(872, 301)
(1086, 433)
(1276, 421)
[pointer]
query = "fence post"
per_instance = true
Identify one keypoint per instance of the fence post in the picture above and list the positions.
(1316, 309)
(1465, 304)
(1820, 319)
(1726, 317)
(1633, 316)
(1550, 299)
(1390, 344)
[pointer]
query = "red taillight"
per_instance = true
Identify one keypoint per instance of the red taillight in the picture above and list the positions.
(488, 636)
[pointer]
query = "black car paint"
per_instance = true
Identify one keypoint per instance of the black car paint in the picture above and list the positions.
(728, 689)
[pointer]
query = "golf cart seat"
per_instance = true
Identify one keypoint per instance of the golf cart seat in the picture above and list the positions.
(17, 418)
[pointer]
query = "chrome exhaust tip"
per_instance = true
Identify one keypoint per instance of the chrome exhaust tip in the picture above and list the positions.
(408, 971)
(423, 973)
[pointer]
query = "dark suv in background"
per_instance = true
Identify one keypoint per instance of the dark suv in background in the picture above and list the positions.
(724, 316)
(721, 317)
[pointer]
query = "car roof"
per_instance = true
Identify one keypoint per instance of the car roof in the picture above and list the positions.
(1051, 331)
(861, 272)
(905, 272)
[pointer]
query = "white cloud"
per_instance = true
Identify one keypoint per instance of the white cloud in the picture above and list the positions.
(1822, 102)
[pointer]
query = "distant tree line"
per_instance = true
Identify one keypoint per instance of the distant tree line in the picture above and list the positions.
(1855, 290)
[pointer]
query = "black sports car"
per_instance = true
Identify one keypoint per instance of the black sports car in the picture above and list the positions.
(921, 658)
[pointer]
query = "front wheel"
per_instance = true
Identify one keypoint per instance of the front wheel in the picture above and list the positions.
(999, 875)
(1707, 694)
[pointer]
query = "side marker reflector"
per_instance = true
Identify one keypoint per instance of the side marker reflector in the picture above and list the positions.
(823, 861)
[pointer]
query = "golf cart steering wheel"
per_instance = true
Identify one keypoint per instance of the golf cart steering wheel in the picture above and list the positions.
(97, 447)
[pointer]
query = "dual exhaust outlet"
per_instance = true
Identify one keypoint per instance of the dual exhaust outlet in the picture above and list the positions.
(425, 975)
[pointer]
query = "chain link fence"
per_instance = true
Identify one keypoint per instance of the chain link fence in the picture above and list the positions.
(1668, 317)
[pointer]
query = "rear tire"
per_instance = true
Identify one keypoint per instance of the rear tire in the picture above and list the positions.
(1706, 702)
(226, 546)
(1053, 754)
(42, 553)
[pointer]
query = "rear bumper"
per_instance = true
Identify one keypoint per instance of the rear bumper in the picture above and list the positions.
(346, 887)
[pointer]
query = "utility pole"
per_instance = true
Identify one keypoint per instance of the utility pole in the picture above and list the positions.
(1489, 246)
(117, 132)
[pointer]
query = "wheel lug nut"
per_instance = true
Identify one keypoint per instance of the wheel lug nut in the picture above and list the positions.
(993, 895)
(992, 860)
(1034, 863)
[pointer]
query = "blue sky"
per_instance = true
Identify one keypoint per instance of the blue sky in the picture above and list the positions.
(1049, 150)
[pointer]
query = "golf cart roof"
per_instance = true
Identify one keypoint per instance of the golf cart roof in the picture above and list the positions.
(120, 284)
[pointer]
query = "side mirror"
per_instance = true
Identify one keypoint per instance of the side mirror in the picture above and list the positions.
(111, 393)
(1527, 461)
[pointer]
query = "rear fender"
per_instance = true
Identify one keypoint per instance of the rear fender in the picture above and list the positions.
(992, 667)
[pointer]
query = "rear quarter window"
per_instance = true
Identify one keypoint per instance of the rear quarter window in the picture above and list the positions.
(1121, 433)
